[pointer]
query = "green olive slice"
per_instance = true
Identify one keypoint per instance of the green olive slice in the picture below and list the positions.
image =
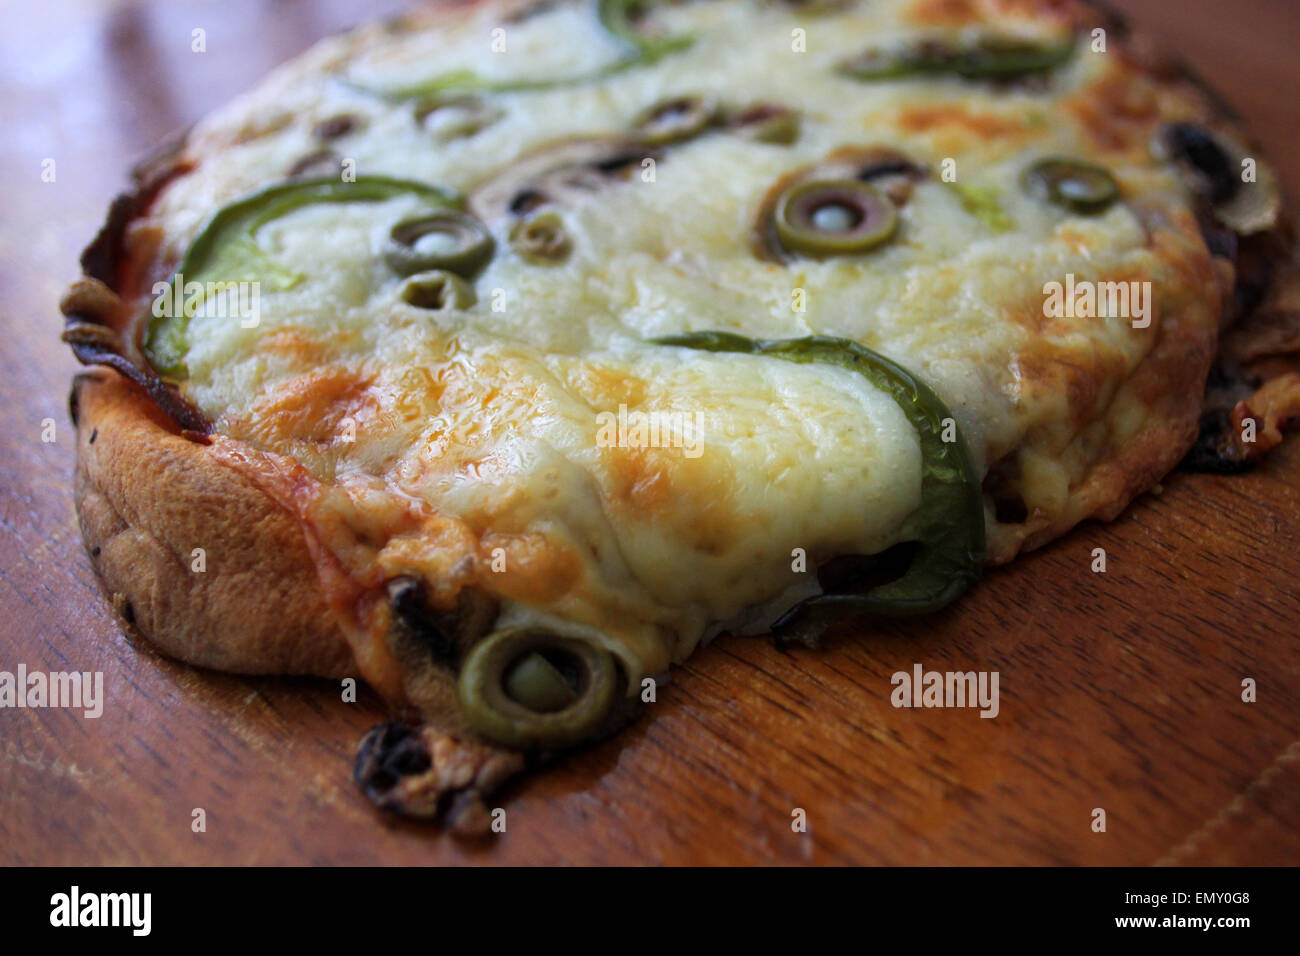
(456, 117)
(768, 123)
(541, 238)
(833, 217)
(676, 119)
(513, 698)
(1079, 187)
(445, 239)
(781, 129)
(536, 683)
(438, 290)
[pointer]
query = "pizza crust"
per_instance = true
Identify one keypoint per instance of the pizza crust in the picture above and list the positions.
(147, 497)
(1166, 390)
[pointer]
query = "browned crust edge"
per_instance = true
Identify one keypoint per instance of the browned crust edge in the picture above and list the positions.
(147, 497)
(93, 320)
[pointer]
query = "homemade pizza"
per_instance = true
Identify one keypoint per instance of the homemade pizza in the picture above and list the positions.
(500, 355)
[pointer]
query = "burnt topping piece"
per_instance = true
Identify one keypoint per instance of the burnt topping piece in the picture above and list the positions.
(421, 773)
(1192, 145)
(406, 596)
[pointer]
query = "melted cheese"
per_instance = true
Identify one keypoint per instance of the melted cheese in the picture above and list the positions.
(491, 415)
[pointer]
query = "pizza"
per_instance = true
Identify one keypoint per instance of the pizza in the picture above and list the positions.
(500, 355)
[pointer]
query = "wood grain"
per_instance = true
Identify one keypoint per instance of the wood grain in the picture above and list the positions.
(1120, 691)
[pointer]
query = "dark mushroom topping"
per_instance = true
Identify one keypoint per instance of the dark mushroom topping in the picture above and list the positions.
(527, 687)
(531, 10)
(1212, 165)
(890, 171)
(408, 598)
(676, 119)
(322, 162)
(563, 174)
(1257, 205)
(887, 163)
(1079, 187)
(815, 7)
(335, 126)
(526, 201)
(1199, 152)
(445, 239)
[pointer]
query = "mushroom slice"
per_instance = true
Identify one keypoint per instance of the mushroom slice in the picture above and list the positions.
(767, 123)
(890, 171)
(1256, 206)
(566, 173)
(1214, 166)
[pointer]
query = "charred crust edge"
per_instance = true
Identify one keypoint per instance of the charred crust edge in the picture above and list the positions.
(89, 331)
(1258, 262)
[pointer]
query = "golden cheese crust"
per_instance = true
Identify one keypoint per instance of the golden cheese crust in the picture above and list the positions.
(290, 585)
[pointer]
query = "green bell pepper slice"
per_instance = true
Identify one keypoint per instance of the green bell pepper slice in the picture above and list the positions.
(614, 15)
(948, 527)
(984, 58)
(226, 249)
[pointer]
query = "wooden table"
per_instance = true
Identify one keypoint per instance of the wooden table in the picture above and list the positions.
(1120, 691)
